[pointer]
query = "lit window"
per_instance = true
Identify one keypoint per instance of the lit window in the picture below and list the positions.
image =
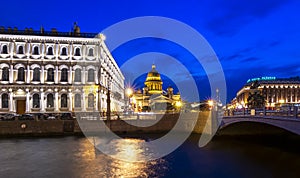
(91, 75)
(77, 75)
(64, 101)
(64, 75)
(5, 74)
(36, 101)
(36, 74)
(90, 100)
(77, 101)
(4, 98)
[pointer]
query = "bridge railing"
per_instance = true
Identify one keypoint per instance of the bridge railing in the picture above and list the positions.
(290, 112)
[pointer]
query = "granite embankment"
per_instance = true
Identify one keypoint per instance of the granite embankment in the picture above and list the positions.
(158, 124)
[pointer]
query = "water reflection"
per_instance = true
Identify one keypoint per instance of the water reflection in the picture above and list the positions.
(126, 157)
(77, 157)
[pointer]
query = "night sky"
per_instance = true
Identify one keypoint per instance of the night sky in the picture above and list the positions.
(251, 38)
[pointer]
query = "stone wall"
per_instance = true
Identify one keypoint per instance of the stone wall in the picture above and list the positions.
(43, 127)
(160, 124)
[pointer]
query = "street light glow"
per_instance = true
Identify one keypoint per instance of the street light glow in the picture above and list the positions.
(210, 102)
(178, 104)
(129, 91)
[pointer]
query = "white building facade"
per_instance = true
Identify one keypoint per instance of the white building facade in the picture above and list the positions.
(51, 72)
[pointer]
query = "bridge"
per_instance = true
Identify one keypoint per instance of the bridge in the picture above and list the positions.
(291, 124)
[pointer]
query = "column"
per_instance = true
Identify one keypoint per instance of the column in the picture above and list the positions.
(11, 106)
(97, 98)
(71, 48)
(83, 75)
(70, 100)
(42, 100)
(70, 75)
(83, 51)
(56, 75)
(96, 75)
(291, 93)
(296, 98)
(56, 100)
(11, 74)
(28, 74)
(42, 74)
(27, 101)
(83, 101)
(267, 94)
(277, 95)
(56, 50)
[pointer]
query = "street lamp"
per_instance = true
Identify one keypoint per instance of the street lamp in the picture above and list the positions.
(210, 103)
(108, 101)
(129, 92)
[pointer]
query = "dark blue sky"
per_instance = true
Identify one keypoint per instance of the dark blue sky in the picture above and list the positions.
(252, 38)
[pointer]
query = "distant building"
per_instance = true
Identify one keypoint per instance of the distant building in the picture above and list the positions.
(153, 97)
(43, 72)
(276, 91)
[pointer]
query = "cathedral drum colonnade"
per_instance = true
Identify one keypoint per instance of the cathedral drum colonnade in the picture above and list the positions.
(46, 72)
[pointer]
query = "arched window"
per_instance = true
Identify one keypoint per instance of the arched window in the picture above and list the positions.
(77, 52)
(4, 98)
(21, 74)
(63, 51)
(90, 100)
(50, 101)
(64, 101)
(36, 74)
(50, 51)
(91, 75)
(64, 75)
(77, 75)
(5, 74)
(36, 100)
(50, 75)
(20, 50)
(4, 49)
(91, 52)
(36, 50)
(77, 101)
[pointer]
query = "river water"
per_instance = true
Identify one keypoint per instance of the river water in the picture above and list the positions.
(75, 156)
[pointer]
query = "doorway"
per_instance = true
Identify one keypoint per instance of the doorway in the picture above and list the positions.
(21, 106)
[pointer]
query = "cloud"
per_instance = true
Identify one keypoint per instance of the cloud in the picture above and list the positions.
(250, 59)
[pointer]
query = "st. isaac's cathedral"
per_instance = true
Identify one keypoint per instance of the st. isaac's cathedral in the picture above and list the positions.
(153, 98)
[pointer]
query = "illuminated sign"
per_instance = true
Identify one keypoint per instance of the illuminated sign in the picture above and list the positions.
(261, 78)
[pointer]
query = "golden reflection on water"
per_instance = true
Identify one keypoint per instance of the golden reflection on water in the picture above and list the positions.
(123, 149)
(129, 149)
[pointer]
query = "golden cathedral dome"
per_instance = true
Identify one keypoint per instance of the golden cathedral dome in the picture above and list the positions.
(153, 81)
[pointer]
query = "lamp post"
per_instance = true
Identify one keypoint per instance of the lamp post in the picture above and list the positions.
(108, 101)
(129, 92)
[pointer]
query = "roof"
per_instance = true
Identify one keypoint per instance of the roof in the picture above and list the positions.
(291, 80)
(31, 32)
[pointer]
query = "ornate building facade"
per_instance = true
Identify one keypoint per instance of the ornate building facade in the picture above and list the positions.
(276, 91)
(53, 71)
(153, 97)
